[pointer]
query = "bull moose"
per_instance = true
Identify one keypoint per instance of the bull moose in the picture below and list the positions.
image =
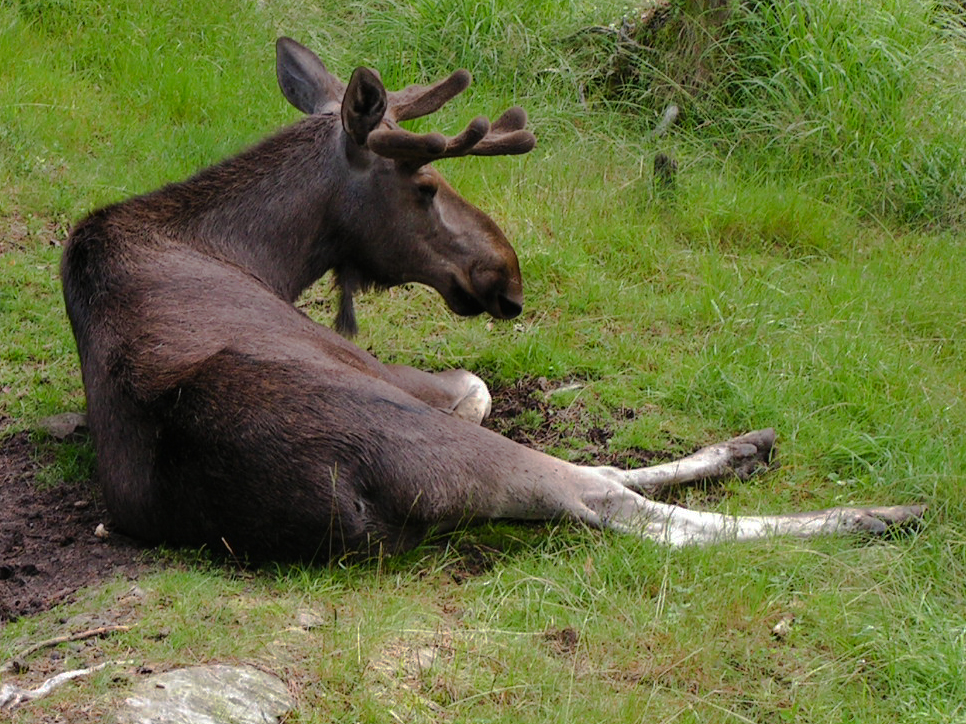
(222, 415)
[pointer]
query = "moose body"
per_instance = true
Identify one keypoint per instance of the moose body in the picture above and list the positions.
(222, 415)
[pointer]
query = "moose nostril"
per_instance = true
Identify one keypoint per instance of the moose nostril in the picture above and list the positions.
(509, 308)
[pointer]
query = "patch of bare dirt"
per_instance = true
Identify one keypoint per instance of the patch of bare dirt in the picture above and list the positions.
(563, 642)
(48, 549)
(525, 412)
(19, 232)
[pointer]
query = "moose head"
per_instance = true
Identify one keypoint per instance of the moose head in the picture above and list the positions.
(405, 222)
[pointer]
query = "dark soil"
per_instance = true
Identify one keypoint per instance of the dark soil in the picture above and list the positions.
(48, 549)
(525, 412)
(48, 546)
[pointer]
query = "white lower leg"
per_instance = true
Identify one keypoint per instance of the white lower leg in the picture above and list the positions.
(678, 526)
(606, 503)
(740, 457)
(527, 484)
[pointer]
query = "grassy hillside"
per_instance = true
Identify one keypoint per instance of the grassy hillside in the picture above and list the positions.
(807, 274)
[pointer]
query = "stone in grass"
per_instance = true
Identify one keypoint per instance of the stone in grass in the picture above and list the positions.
(214, 694)
(65, 426)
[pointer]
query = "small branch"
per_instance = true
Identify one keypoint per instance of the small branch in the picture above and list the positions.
(16, 661)
(12, 696)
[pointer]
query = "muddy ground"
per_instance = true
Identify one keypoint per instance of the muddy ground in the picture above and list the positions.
(48, 546)
(48, 549)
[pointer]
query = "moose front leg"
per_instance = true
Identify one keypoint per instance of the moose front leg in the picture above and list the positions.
(455, 392)
(741, 457)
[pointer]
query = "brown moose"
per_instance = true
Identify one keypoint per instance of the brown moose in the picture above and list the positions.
(222, 415)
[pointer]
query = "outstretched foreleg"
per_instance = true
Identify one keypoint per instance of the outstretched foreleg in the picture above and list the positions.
(740, 457)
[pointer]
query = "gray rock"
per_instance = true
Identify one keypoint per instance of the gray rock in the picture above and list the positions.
(214, 694)
(67, 425)
(310, 620)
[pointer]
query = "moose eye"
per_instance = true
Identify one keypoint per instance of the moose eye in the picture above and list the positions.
(427, 190)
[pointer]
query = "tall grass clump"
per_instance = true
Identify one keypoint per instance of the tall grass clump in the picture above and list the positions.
(511, 48)
(857, 102)
(429, 38)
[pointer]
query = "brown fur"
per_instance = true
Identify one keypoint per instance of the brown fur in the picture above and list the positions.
(223, 415)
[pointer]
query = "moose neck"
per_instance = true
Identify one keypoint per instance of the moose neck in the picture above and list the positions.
(272, 210)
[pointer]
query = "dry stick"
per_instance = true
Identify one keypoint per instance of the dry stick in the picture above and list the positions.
(12, 696)
(13, 663)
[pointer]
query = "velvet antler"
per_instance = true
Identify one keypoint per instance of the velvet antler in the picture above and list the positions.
(506, 136)
(416, 101)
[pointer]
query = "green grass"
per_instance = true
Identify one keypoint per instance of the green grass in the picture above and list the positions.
(856, 104)
(808, 275)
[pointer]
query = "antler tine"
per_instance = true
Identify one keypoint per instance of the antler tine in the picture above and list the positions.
(416, 101)
(403, 145)
(469, 139)
(505, 137)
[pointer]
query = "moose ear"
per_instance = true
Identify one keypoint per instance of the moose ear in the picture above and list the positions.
(303, 78)
(364, 104)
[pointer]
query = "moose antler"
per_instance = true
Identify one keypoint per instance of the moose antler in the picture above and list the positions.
(416, 101)
(506, 136)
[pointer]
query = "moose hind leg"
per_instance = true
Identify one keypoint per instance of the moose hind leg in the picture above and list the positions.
(739, 457)
(679, 526)
(608, 504)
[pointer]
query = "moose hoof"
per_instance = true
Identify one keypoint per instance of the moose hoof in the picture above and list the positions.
(889, 520)
(752, 453)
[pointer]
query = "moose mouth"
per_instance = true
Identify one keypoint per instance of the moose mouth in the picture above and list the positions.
(467, 304)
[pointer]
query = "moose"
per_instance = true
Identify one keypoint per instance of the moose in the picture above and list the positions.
(223, 416)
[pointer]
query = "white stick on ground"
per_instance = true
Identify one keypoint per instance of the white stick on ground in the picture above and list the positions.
(12, 696)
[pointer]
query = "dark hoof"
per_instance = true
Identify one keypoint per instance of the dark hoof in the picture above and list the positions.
(890, 521)
(753, 453)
